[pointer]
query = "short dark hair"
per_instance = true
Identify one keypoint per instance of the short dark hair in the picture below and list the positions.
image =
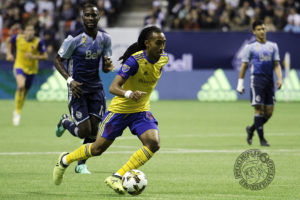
(257, 23)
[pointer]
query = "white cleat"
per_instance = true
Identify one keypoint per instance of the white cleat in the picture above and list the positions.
(16, 118)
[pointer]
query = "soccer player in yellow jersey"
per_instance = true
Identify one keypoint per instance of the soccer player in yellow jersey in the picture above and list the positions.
(142, 65)
(29, 49)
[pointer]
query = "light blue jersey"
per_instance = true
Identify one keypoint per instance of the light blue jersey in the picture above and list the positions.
(261, 56)
(84, 54)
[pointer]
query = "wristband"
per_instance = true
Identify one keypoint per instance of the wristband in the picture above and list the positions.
(127, 93)
(69, 80)
(240, 85)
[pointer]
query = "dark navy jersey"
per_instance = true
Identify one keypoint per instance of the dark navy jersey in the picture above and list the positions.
(261, 56)
(83, 55)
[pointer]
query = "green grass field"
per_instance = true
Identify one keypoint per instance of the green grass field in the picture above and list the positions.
(199, 145)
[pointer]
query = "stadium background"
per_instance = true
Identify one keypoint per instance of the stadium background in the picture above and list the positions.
(202, 131)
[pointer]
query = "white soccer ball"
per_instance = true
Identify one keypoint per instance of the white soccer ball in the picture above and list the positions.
(134, 181)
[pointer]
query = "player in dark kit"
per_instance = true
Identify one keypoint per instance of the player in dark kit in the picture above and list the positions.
(86, 97)
(264, 58)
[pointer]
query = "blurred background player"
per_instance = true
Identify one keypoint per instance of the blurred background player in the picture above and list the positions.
(29, 49)
(86, 96)
(142, 66)
(264, 58)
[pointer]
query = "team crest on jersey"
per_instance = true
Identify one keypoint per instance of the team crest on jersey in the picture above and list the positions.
(83, 40)
(125, 68)
(258, 98)
(149, 115)
(78, 115)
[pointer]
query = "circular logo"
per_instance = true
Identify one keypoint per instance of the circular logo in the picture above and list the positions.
(125, 68)
(258, 98)
(78, 114)
(255, 169)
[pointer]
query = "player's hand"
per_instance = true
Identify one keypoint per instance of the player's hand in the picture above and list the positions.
(278, 84)
(137, 95)
(9, 57)
(240, 87)
(107, 64)
(29, 55)
(75, 88)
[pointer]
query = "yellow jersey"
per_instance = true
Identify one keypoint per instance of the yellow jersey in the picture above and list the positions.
(141, 75)
(35, 46)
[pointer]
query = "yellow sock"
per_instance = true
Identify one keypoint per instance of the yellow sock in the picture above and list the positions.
(19, 100)
(82, 153)
(139, 158)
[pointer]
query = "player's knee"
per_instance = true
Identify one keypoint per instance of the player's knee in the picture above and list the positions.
(97, 150)
(84, 132)
(21, 88)
(153, 145)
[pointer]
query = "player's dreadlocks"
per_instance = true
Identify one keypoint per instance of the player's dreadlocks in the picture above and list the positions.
(140, 44)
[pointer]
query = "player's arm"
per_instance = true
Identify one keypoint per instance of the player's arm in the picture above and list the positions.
(107, 63)
(129, 68)
(9, 55)
(246, 55)
(116, 89)
(74, 85)
(240, 86)
(278, 72)
(43, 55)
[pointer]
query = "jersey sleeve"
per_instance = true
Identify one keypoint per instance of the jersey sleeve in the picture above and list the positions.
(129, 68)
(42, 46)
(13, 39)
(276, 53)
(107, 47)
(246, 54)
(67, 48)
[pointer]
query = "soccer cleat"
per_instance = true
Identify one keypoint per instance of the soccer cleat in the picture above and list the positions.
(264, 143)
(249, 135)
(16, 118)
(115, 183)
(82, 169)
(59, 131)
(59, 170)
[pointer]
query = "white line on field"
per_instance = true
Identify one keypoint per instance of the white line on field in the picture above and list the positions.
(165, 151)
(195, 135)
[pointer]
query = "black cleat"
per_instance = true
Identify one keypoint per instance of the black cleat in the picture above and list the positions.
(264, 143)
(249, 135)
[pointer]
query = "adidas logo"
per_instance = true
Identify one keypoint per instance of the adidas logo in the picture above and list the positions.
(54, 89)
(217, 88)
(290, 90)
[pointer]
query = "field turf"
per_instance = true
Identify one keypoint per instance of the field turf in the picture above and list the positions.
(199, 145)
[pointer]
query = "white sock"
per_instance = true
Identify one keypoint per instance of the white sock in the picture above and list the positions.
(64, 160)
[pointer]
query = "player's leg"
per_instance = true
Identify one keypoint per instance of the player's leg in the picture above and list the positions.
(81, 166)
(96, 106)
(80, 123)
(144, 125)
(23, 82)
(104, 139)
(85, 151)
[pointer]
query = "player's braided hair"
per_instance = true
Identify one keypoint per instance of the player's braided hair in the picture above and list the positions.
(140, 44)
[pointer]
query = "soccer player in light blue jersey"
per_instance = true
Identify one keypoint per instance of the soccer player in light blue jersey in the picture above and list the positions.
(264, 58)
(84, 53)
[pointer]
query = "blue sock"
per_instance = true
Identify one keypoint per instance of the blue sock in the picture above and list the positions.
(252, 128)
(259, 122)
(71, 126)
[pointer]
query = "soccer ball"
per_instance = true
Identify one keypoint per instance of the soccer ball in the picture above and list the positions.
(134, 182)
